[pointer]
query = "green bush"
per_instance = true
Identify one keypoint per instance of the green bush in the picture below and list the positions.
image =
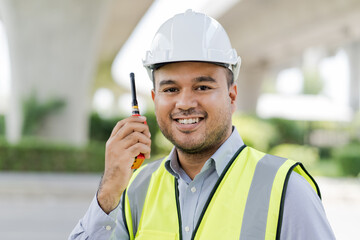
(33, 155)
(307, 155)
(290, 131)
(2, 125)
(348, 157)
(325, 153)
(35, 113)
(162, 144)
(255, 132)
(101, 128)
(354, 128)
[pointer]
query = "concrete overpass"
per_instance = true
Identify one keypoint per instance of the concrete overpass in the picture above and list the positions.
(56, 46)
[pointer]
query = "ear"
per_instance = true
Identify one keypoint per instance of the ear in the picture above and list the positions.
(233, 96)
(153, 94)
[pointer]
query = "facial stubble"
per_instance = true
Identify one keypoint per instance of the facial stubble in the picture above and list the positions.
(209, 142)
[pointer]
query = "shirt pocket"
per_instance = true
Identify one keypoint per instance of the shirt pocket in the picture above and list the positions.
(155, 235)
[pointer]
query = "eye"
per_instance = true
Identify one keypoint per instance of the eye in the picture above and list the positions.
(170, 90)
(203, 88)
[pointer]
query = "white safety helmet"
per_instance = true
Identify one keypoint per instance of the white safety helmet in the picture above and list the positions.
(191, 36)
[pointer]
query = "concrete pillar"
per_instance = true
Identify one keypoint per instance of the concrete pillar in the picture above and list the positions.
(53, 48)
(353, 52)
(249, 87)
(312, 57)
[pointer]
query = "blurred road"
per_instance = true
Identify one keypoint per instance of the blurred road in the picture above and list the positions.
(43, 206)
(37, 206)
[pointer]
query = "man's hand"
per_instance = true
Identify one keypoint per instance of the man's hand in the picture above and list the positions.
(129, 138)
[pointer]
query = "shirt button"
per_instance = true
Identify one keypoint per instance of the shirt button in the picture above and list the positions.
(108, 227)
(187, 229)
(193, 189)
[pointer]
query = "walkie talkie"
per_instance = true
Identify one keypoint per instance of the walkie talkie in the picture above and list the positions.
(135, 112)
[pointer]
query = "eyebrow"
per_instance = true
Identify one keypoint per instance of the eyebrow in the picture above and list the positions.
(196, 80)
(166, 82)
(204, 79)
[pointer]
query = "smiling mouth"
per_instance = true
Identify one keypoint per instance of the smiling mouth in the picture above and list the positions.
(188, 120)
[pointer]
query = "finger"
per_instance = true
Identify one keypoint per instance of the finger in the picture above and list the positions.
(130, 127)
(120, 124)
(117, 127)
(138, 148)
(119, 148)
(134, 138)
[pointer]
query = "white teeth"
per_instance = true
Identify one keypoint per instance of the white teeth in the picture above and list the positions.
(188, 120)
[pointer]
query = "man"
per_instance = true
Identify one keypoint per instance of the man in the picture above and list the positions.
(211, 186)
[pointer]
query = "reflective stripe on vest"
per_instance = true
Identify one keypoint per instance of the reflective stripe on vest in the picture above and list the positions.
(246, 203)
(137, 193)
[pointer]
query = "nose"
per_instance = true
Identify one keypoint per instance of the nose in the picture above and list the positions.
(186, 100)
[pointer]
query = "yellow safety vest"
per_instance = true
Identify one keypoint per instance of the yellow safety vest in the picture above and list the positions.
(246, 202)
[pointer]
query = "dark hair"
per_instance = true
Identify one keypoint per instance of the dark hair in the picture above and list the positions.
(229, 77)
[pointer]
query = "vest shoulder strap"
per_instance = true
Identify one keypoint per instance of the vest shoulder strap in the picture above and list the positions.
(135, 194)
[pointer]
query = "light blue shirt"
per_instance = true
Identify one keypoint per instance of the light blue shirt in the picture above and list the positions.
(303, 218)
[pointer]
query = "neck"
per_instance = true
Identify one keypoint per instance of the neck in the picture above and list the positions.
(192, 163)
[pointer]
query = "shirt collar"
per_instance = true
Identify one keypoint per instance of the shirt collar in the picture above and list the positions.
(221, 157)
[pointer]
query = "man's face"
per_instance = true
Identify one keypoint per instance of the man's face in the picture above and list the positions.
(193, 105)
